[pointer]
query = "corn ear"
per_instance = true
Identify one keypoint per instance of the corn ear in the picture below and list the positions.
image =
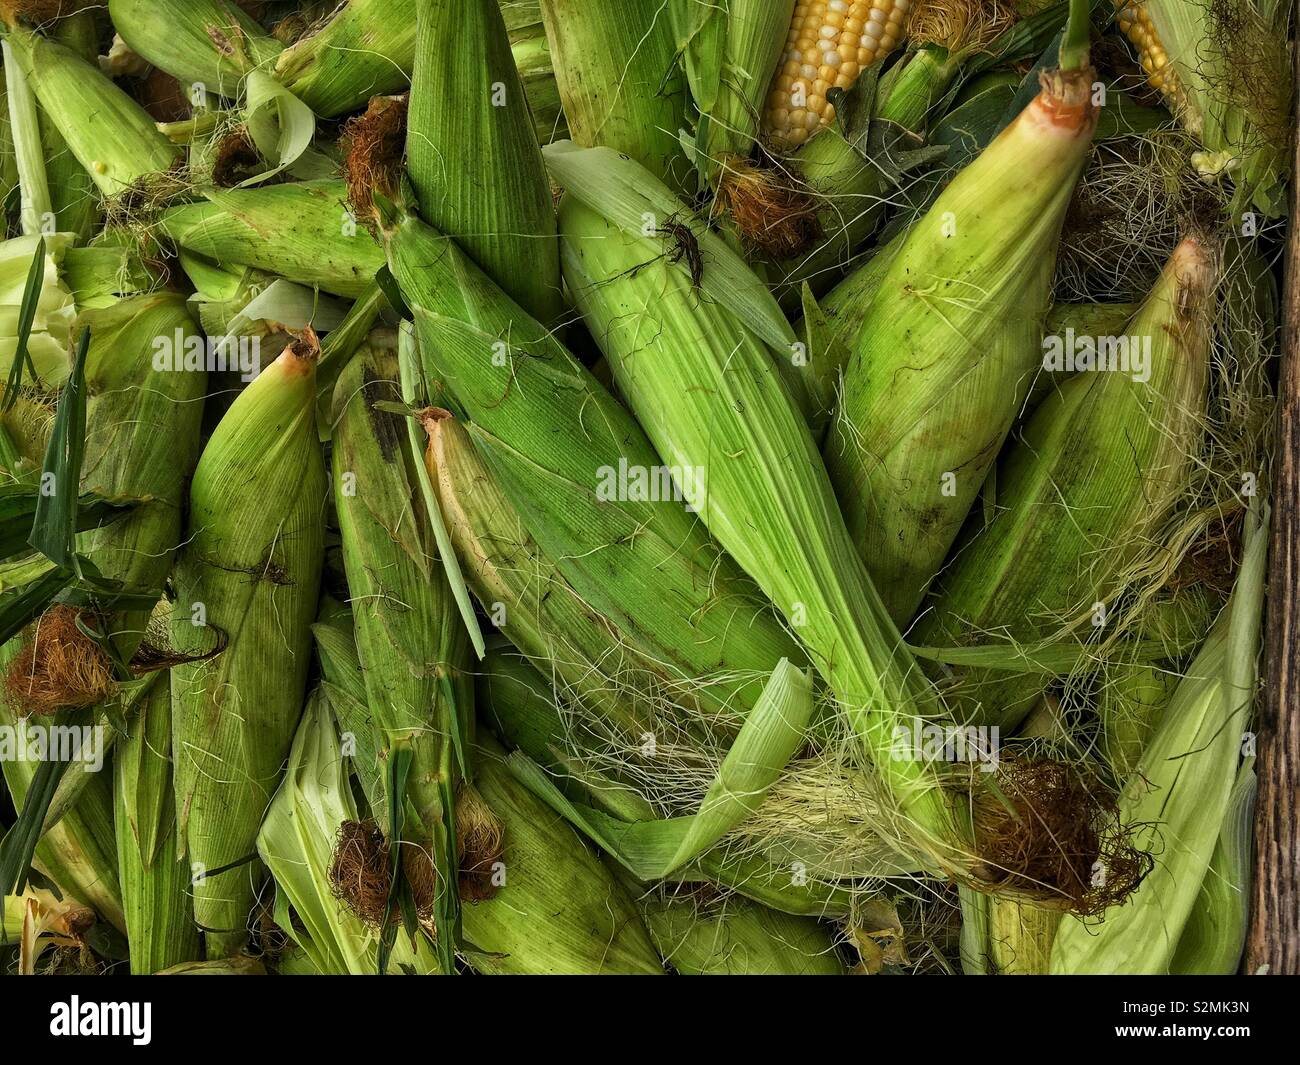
(606, 541)
(559, 909)
(249, 574)
(1232, 84)
(365, 49)
(1182, 791)
(1005, 936)
(737, 937)
(532, 54)
(110, 135)
(950, 343)
(414, 651)
(615, 68)
(303, 232)
(711, 400)
(155, 886)
(143, 416)
(51, 331)
(297, 840)
(77, 853)
(520, 706)
(730, 53)
(1065, 530)
(208, 45)
(473, 157)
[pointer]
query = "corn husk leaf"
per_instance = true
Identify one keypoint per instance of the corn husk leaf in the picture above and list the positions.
(249, 575)
(1181, 793)
(303, 232)
(214, 44)
(738, 937)
(476, 166)
(155, 886)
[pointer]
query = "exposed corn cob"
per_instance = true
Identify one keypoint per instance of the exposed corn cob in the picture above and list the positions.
(830, 43)
(605, 539)
(249, 571)
(304, 232)
(1181, 793)
(615, 68)
(208, 45)
(110, 135)
(951, 343)
(1065, 530)
(1137, 26)
(733, 936)
(472, 153)
(705, 387)
(155, 885)
(414, 651)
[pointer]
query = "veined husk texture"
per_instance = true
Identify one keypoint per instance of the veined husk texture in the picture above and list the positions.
(950, 343)
(1099, 467)
(248, 575)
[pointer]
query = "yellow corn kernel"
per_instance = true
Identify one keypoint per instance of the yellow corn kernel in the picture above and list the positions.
(829, 45)
(1137, 26)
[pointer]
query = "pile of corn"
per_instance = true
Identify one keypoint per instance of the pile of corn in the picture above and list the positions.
(561, 486)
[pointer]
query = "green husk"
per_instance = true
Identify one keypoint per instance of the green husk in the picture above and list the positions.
(248, 575)
(736, 937)
(303, 232)
(474, 339)
(208, 44)
(51, 329)
(111, 136)
(1215, 933)
(1230, 57)
(617, 72)
(1065, 530)
(711, 399)
(1180, 797)
(142, 442)
(1006, 937)
(616, 672)
(241, 965)
(296, 841)
(366, 48)
(532, 54)
(559, 910)
(949, 346)
(155, 886)
(414, 651)
(730, 52)
(473, 157)
(521, 708)
(77, 853)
